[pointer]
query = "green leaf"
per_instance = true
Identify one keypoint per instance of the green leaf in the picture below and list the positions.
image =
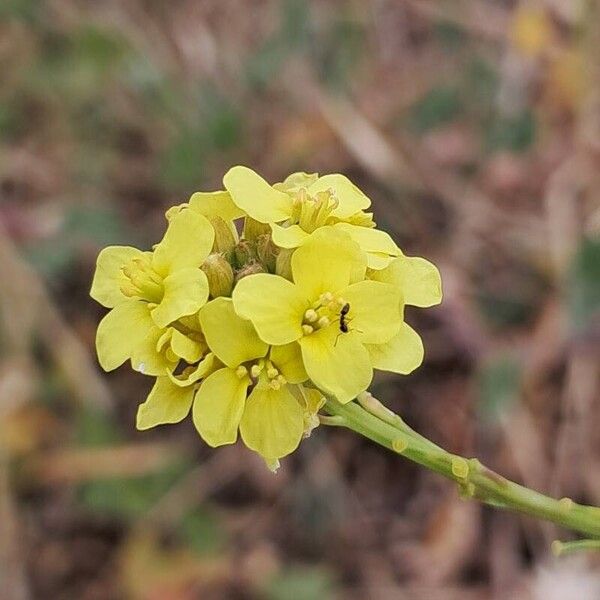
(583, 292)
(301, 583)
(499, 383)
(512, 133)
(128, 498)
(439, 106)
(203, 532)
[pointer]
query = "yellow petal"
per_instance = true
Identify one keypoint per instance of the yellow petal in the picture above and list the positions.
(273, 422)
(338, 364)
(185, 347)
(402, 354)
(418, 280)
(121, 331)
(187, 242)
(186, 291)
(219, 405)
(369, 239)
(215, 204)
(373, 311)
(296, 181)
(147, 358)
(166, 403)
(256, 197)
(288, 237)
(191, 375)
(378, 261)
(273, 304)
(327, 262)
(288, 360)
(108, 277)
(350, 198)
(233, 339)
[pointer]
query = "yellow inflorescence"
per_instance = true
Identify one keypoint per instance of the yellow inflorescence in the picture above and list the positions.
(253, 333)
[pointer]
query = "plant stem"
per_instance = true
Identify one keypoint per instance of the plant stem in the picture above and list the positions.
(475, 480)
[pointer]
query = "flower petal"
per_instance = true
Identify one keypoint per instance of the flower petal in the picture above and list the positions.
(187, 242)
(288, 360)
(121, 331)
(233, 339)
(417, 278)
(108, 277)
(147, 358)
(296, 181)
(166, 403)
(273, 422)
(288, 237)
(378, 261)
(337, 363)
(215, 204)
(370, 239)
(402, 354)
(327, 262)
(274, 305)
(374, 310)
(191, 375)
(256, 197)
(351, 199)
(186, 291)
(185, 347)
(219, 405)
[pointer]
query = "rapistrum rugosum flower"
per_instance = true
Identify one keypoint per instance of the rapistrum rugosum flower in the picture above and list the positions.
(261, 301)
(148, 290)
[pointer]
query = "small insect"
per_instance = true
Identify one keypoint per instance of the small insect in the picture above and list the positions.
(343, 321)
(343, 313)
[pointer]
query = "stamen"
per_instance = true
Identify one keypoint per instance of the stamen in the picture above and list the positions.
(256, 370)
(311, 315)
(326, 298)
(272, 372)
(275, 384)
(324, 322)
(307, 329)
(241, 371)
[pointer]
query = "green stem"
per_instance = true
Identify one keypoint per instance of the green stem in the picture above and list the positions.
(475, 480)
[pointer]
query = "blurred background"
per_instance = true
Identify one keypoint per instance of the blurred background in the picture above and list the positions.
(474, 126)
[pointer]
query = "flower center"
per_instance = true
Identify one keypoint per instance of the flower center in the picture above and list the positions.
(263, 372)
(143, 282)
(312, 212)
(326, 310)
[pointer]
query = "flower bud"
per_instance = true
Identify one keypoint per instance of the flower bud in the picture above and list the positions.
(245, 252)
(283, 263)
(219, 274)
(249, 269)
(225, 239)
(252, 228)
(267, 252)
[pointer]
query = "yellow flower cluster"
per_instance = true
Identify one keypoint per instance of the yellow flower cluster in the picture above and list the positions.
(260, 301)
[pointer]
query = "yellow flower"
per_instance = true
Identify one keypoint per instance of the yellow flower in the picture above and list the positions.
(304, 203)
(147, 289)
(329, 309)
(420, 285)
(270, 419)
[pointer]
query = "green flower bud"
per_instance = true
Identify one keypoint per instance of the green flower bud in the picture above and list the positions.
(283, 263)
(267, 252)
(219, 274)
(245, 252)
(225, 239)
(250, 268)
(252, 228)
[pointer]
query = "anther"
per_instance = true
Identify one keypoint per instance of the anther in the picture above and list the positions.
(255, 370)
(324, 322)
(307, 329)
(275, 384)
(311, 315)
(282, 380)
(272, 372)
(241, 371)
(326, 298)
